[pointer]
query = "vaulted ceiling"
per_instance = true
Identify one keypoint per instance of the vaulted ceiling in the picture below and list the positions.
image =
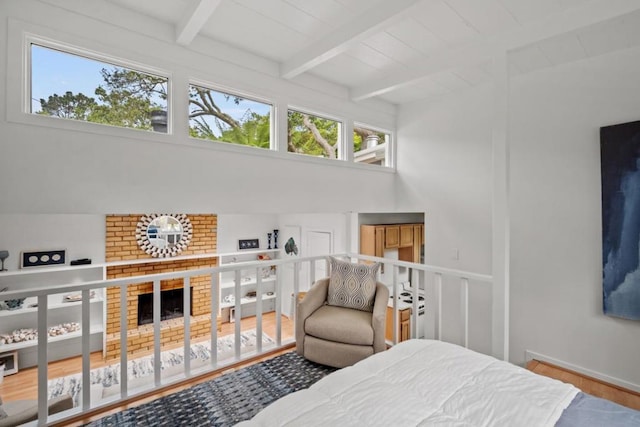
(404, 50)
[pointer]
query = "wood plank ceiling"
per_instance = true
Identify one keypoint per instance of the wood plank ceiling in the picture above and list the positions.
(404, 50)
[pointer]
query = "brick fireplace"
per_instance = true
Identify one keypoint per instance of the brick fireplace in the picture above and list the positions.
(121, 245)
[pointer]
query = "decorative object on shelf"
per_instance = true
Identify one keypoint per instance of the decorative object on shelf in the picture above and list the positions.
(13, 304)
(275, 239)
(81, 261)
(10, 304)
(291, 236)
(248, 244)
(269, 240)
(29, 334)
(251, 294)
(76, 297)
(42, 258)
(10, 362)
(164, 235)
(3, 255)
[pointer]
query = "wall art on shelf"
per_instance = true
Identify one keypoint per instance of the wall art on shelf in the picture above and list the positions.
(620, 168)
(248, 244)
(43, 258)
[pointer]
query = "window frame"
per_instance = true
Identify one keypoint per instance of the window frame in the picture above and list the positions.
(26, 95)
(341, 143)
(21, 35)
(389, 160)
(245, 95)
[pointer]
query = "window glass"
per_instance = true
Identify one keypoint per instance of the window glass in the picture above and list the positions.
(312, 135)
(220, 116)
(370, 146)
(74, 87)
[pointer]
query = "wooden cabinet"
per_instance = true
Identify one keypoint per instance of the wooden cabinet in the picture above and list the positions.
(406, 236)
(417, 240)
(403, 325)
(372, 240)
(392, 236)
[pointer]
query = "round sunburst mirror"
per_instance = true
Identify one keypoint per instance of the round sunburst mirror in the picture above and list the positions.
(164, 235)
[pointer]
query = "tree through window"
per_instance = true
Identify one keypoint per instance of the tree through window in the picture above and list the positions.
(312, 135)
(74, 87)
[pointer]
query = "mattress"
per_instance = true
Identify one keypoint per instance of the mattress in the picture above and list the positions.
(420, 383)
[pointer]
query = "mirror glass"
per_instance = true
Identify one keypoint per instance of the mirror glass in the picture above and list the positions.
(164, 232)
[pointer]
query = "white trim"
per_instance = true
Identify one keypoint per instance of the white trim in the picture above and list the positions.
(532, 355)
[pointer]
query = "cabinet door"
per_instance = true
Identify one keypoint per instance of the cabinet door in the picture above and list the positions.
(392, 237)
(379, 246)
(406, 235)
(368, 240)
(417, 242)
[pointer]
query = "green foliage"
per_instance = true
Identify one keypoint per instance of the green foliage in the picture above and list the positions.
(67, 106)
(312, 135)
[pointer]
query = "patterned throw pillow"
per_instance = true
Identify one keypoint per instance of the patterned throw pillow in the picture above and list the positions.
(352, 285)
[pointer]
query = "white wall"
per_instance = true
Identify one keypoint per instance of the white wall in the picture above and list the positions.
(82, 236)
(556, 261)
(57, 166)
(232, 227)
(444, 170)
(336, 223)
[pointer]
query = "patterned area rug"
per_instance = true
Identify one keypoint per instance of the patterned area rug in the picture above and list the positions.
(171, 363)
(226, 400)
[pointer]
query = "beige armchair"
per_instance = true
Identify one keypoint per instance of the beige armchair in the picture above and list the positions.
(338, 336)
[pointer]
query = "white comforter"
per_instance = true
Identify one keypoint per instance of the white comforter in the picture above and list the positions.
(424, 383)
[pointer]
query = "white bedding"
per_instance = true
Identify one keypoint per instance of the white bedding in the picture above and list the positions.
(424, 383)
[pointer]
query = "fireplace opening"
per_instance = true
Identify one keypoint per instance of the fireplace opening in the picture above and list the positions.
(171, 305)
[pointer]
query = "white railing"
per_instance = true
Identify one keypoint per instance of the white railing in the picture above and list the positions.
(424, 278)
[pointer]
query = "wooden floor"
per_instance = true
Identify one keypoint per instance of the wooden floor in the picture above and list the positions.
(588, 385)
(24, 384)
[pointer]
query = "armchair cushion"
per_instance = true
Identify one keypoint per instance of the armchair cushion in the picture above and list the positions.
(352, 285)
(328, 323)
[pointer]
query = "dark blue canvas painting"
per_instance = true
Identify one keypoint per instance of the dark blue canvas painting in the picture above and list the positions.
(620, 163)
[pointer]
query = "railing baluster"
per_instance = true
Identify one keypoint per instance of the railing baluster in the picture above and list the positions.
(42, 360)
(465, 311)
(279, 301)
(296, 286)
(124, 350)
(438, 306)
(86, 348)
(259, 310)
(186, 310)
(238, 312)
(414, 318)
(215, 296)
(395, 305)
(312, 272)
(156, 332)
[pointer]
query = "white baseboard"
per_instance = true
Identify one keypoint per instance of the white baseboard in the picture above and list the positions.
(531, 355)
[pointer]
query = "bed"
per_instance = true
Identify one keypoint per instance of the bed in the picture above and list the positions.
(433, 383)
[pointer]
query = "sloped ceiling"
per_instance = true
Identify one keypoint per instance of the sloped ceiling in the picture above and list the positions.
(403, 50)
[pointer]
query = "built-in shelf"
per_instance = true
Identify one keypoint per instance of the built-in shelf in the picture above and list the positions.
(47, 270)
(247, 300)
(51, 306)
(253, 281)
(57, 338)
